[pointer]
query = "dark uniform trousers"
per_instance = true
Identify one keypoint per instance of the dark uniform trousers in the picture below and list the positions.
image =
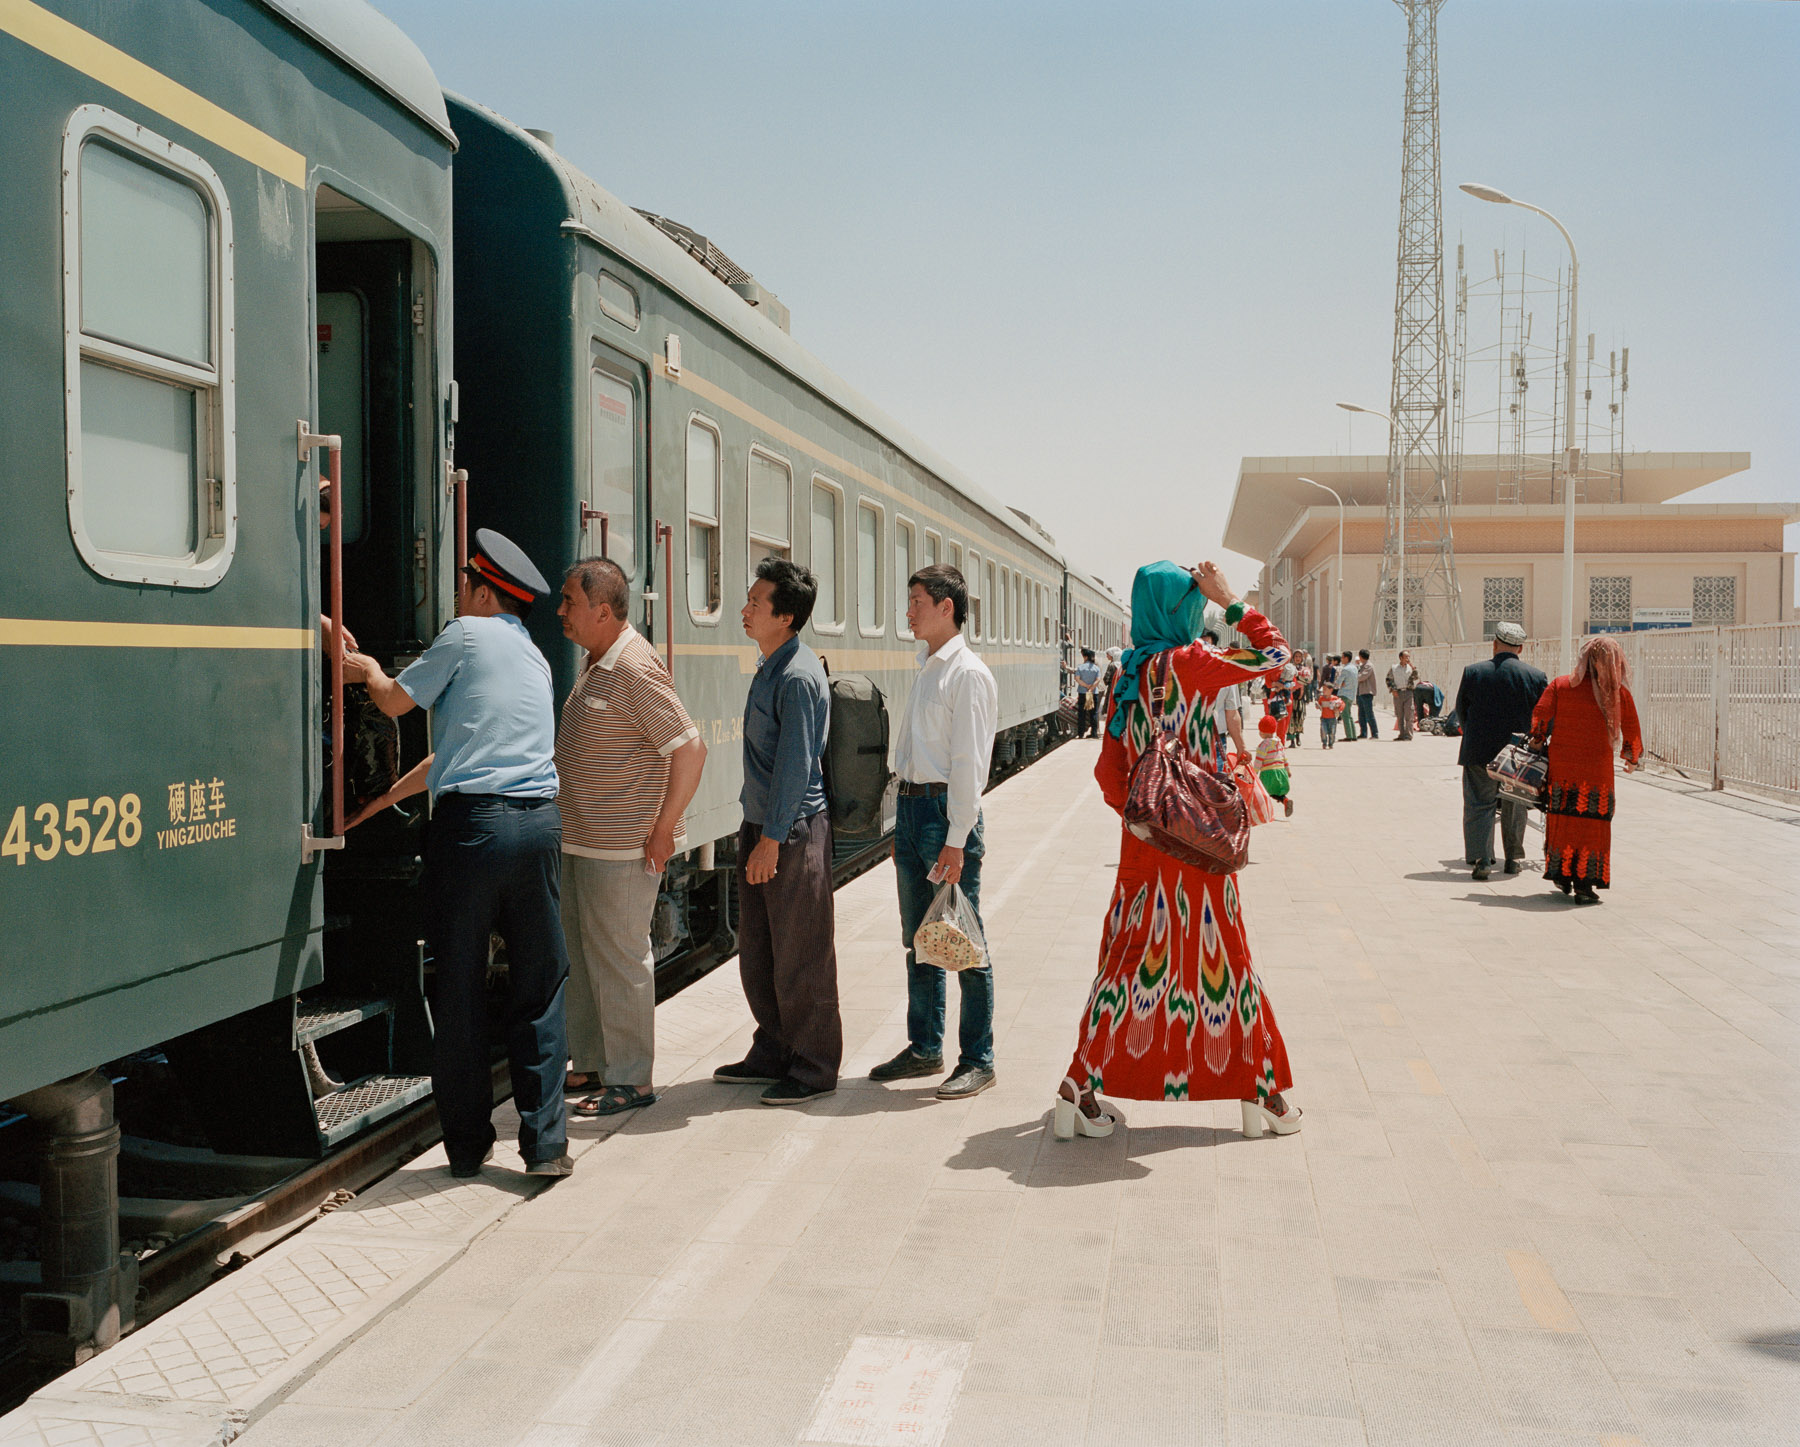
(494, 865)
(787, 956)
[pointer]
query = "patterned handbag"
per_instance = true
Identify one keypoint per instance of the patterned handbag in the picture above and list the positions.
(1178, 805)
(1524, 775)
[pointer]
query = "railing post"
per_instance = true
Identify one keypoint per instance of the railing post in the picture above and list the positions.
(1721, 696)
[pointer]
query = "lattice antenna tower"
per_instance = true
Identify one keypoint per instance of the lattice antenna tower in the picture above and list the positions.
(1419, 552)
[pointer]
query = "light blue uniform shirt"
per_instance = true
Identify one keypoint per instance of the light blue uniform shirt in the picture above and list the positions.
(493, 724)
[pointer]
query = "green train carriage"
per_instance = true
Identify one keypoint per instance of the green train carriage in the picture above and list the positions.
(196, 195)
(628, 389)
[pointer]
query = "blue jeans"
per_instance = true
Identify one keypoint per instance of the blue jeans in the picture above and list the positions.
(1365, 716)
(920, 827)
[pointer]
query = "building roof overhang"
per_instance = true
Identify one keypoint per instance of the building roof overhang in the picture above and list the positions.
(1269, 492)
(1317, 523)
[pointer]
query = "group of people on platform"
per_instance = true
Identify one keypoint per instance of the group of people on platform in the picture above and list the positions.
(555, 835)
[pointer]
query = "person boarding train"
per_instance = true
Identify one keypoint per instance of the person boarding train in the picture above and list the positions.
(494, 860)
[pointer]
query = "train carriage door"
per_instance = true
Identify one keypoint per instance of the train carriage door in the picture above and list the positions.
(614, 519)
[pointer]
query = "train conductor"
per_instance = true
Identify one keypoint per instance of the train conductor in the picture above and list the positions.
(494, 858)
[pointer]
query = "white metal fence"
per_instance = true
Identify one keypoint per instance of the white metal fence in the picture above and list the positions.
(1720, 706)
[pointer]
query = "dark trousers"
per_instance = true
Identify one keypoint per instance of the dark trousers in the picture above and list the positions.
(921, 826)
(1085, 715)
(494, 865)
(787, 957)
(1365, 717)
(1481, 796)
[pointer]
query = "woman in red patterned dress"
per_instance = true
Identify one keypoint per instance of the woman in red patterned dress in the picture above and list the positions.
(1176, 1012)
(1587, 716)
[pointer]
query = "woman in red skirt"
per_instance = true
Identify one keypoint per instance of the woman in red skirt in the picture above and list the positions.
(1588, 717)
(1176, 1012)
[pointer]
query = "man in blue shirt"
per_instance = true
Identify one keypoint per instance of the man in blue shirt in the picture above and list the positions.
(787, 952)
(494, 858)
(1087, 695)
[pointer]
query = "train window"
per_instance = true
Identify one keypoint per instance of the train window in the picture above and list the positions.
(869, 592)
(972, 579)
(618, 301)
(826, 555)
(995, 603)
(1018, 597)
(612, 462)
(705, 586)
(956, 556)
(148, 324)
(771, 483)
(1007, 611)
(903, 570)
(932, 552)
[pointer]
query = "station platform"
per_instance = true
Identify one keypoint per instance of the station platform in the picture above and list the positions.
(1547, 1192)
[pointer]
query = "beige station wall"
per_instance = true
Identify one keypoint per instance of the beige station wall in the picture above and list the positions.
(1764, 588)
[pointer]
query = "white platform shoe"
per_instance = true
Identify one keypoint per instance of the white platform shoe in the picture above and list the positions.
(1258, 1118)
(1070, 1120)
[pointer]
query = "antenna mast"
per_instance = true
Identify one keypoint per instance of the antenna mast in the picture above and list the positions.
(1418, 563)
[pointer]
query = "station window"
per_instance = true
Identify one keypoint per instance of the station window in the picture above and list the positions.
(1715, 602)
(826, 555)
(771, 486)
(705, 587)
(618, 301)
(148, 327)
(995, 603)
(1609, 603)
(612, 477)
(868, 568)
(903, 569)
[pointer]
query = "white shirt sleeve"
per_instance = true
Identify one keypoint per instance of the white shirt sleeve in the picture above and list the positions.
(974, 710)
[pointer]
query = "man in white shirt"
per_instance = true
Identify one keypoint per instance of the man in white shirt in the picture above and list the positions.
(1400, 687)
(941, 755)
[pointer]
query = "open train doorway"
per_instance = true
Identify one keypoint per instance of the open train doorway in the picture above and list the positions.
(298, 1076)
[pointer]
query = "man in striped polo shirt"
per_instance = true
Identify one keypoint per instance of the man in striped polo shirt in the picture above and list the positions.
(629, 759)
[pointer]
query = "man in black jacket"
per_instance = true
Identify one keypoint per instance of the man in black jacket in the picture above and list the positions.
(1494, 702)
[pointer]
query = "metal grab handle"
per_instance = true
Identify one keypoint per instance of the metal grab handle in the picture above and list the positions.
(665, 534)
(459, 490)
(334, 445)
(588, 515)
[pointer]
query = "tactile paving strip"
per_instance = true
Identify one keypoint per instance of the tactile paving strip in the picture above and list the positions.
(221, 1348)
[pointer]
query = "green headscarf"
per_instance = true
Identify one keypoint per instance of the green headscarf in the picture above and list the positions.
(1168, 610)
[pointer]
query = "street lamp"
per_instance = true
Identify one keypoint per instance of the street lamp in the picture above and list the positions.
(1337, 622)
(1571, 455)
(1400, 639)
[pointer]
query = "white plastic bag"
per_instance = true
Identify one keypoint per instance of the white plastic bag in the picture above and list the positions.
(950, 935)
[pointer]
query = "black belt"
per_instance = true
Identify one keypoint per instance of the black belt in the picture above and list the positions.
(924, 791)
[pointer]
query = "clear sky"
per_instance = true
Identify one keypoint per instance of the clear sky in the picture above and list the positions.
(1095, 253)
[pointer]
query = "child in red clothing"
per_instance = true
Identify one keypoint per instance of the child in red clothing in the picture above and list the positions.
(1272, 764)
(1331, 709)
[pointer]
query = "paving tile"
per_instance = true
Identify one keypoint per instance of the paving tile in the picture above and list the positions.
(1548, 1191)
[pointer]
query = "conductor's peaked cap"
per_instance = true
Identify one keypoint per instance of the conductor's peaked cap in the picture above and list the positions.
(502, 564)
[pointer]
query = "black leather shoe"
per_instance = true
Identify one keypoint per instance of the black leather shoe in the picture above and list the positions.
(788, 1091)
(463, 1170)
(970, 1080)
(741, 1074)
(907, 1065)
(1513, 866)
(1481, 872)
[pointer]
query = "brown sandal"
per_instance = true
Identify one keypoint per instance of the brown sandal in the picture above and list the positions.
(614, 1100)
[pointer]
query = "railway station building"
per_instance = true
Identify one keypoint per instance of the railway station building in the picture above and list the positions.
(1643, 559)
